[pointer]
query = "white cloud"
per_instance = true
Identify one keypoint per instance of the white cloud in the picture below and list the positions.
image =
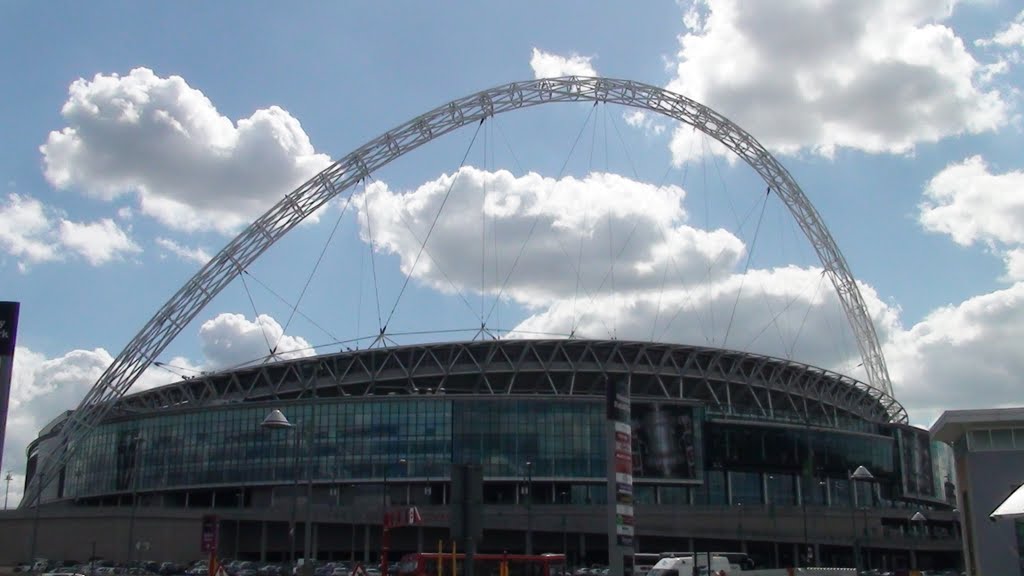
(548, 65)
(1011, 36)
(98, 242)
(973, 205)
(230, 340)
(876, 76)
(42, 388)
(789, 312)
(163, 141)
(33, 232)
(644, 121)
(25, 230)
(197, 254)
(596, 220)
(961, 356)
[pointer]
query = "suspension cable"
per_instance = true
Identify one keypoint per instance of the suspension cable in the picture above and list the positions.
(316, 266)
(430, 231)
(536, 219)
(746, 267)
(373, 257)
(287, 303)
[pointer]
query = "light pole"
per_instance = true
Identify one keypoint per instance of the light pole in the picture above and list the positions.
(35, 521)
(919, 519)
(529, 508)
(7, 491)
(275, 420)
(136, 442)
(565, 534)
(385, 533)
(861, 474)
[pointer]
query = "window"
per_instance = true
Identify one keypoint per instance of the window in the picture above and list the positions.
(1002, 439)
(980, 440)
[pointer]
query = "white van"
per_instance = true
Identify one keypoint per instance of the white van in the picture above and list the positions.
(683, 566)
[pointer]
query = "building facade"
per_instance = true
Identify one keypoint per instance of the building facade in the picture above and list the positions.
(731, 451)
(988, 446)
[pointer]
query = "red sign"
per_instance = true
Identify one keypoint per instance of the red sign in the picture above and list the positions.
(407, 517)
(208, 542)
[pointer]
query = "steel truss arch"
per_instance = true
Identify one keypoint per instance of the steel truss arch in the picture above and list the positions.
(295, 206)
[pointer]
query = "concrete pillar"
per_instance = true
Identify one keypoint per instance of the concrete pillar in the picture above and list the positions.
(913, 559)
(583, 547)
(775, 554)
(419, 538)
(796, 556)
(817, 555)
(366, 544)
(263, 541)
(315, 546)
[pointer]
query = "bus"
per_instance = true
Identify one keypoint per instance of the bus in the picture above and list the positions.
(441, 564)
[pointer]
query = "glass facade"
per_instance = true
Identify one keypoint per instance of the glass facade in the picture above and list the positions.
(354, 440)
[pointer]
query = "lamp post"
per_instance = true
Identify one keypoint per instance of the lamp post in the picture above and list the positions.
(35, 521)
(136, 442)
(565, 535)
(529, 508)
(7, 491)
(275, 420)
(385, 533)
(861, 474)
(919, 519)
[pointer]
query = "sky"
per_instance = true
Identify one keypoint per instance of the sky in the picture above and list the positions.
(138, 140)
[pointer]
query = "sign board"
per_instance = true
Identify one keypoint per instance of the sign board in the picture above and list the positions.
(620, 417)
(8, 327)
(210, 533)
(8, 339)
(359, 570)
(402, 517)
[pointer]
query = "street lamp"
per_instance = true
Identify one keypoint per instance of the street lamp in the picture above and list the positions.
(385, 535)
(529, 508)
(275, 420)
(136, 442)
(861, 474)
(919, 519)
(35, 522)
(7, 491)
(565, 535)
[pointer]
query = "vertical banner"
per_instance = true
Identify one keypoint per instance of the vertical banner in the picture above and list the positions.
(208, 539)
(621, 519)
(8, 340)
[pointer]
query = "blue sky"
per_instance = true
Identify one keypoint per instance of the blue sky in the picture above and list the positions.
(900, 120)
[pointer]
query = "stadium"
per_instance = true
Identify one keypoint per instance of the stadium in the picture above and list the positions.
(731, 450)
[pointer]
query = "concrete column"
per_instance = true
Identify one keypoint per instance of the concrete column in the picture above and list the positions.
(817, 555)
(315, 546)
(419, 538)
(263, 541)
(583, 546)
(913, 559)
(796, 555)
(775, 554)
(366, 544)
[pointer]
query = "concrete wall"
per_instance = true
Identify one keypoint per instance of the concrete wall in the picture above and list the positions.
(173, 534)
(991, 476)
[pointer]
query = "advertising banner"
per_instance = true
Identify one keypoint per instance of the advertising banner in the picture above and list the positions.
(210, 532)
(618, 413)
(666, 441)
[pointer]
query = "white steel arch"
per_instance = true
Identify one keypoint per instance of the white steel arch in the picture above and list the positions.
(245, 248)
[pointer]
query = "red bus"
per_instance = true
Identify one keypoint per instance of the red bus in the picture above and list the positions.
(435, 564)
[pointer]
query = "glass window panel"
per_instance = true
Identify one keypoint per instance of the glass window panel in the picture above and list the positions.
(1002, 439)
